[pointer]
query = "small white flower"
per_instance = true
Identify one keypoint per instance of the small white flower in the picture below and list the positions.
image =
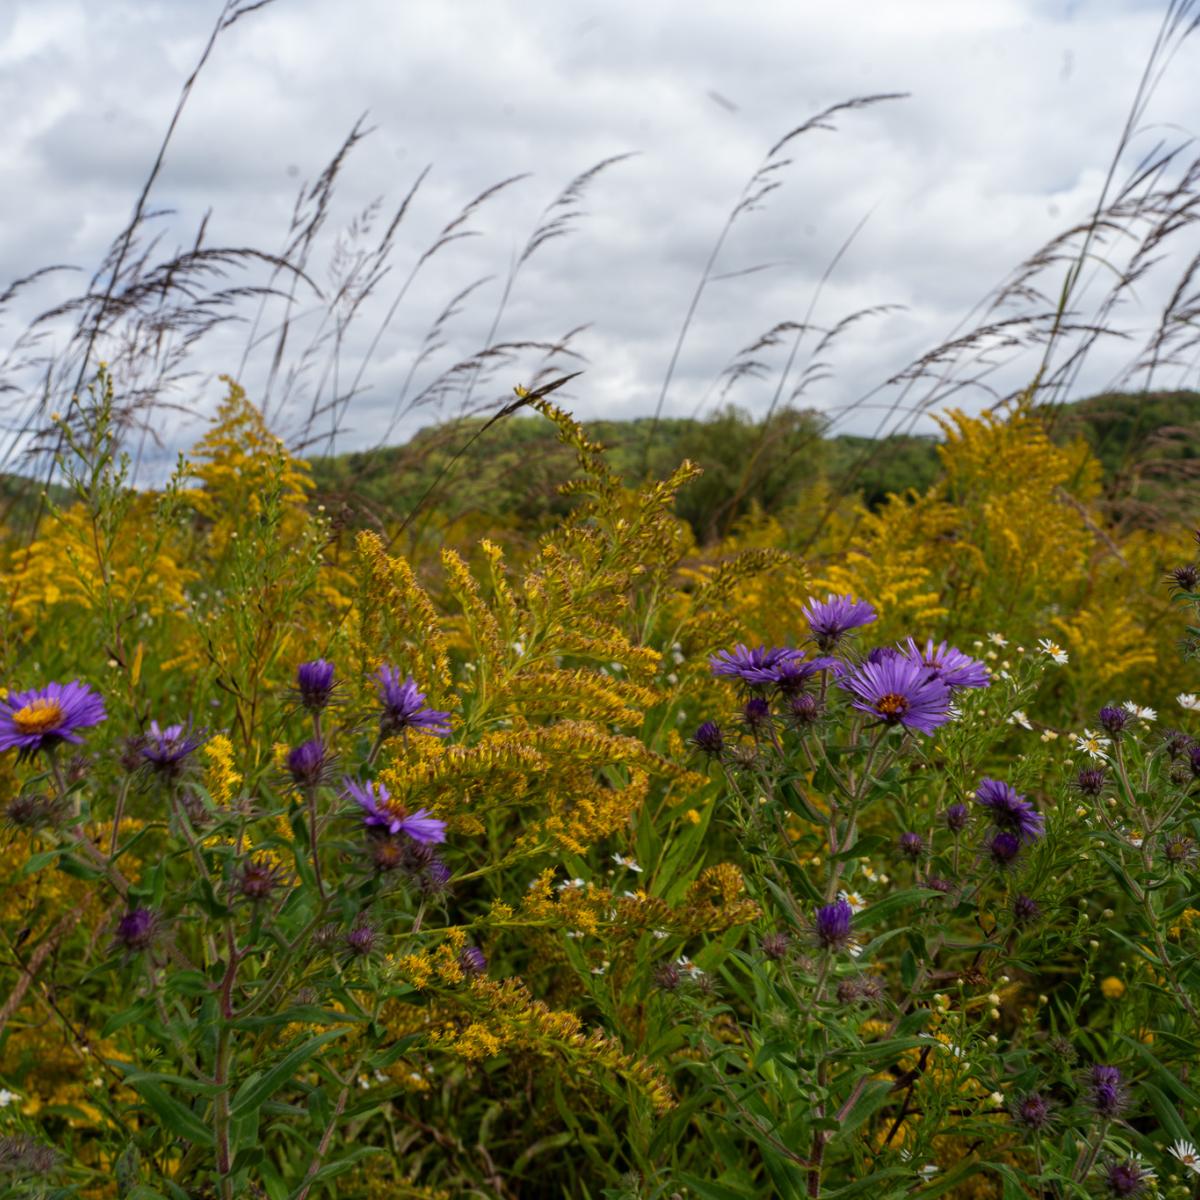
(1019, 718)
(1185, 1152)
(1189, 701)
(1136, 710)
(7, 1097)
(997, 639)
(1054, 650)
(856, 902)
(1092, 744)
(574, 933)
(601, 968)
(570, 883)
(659, 933)
(627, 863)
(1048, 735)
(688, 967)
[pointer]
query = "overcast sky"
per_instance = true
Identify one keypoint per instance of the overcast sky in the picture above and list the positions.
(1014, 110)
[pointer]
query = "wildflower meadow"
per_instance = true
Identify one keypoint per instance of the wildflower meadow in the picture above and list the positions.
(602, 863)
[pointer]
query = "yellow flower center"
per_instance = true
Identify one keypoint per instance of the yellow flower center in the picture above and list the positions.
(38, 716)
(892, 705)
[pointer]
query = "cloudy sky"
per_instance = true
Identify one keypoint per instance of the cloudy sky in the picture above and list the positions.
(1013, 112)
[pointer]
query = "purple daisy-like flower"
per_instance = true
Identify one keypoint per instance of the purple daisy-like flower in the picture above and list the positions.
(1010, 811)
(832, 925)
(166, 750)
(759, 667)
(899, 692)
(954, 668)
(43, 717)
(404, 706)
(792, 674)
(383, 812)
(315, 684)
(832, 618)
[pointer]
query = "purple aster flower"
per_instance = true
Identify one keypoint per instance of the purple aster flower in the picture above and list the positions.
(41, 718)
(758, 667)
(832, 925)
(1004, 848)
(136, 929)
(899, 692)
(952, 666)
(307, 764)
(1026, 910)
(881, 654)
(404, 706)
(709, 738)
(911, 844)
(166, 750)
(1010, 811)
(434, 879)
(382, 812)
(315, 684)
(956, 817)
(1128, 1178)
(472, 961)
(1113, 719)
(832, 618)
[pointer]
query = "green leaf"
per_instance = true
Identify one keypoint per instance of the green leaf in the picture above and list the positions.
(176, 1117)
(712, 1191)
(260, 1087)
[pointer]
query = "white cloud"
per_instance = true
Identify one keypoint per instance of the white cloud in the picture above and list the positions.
(1014, 111)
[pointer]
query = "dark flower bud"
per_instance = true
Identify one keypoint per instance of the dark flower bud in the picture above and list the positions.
(938, 884)
(434, 880)
(1177, 743)
(911, 844)
(1127, 1178)
(776, 945)
(131, 757)
(1004, 848)
(1091, 780)
(36, 810)
(1032, 1112)
(668, 976)
(387, 853)
(78, 768)
(136, 929)
(956, 817)
(756, 712)
(1184, 578)
(1113, 720)
(1025, 910)
(327, 936)
(1106, 1091)
(22, 1156)
(1179, 850)
(306, 763)
(472, 961)
(362, 939)
(261, 875)
(709, 738)
(805, 709)
(315, 684)
(832, 925)
(1194, 759)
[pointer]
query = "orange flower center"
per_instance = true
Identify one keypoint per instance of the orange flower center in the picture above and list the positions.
(38, 716)
(393, 807)
(892, 705)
